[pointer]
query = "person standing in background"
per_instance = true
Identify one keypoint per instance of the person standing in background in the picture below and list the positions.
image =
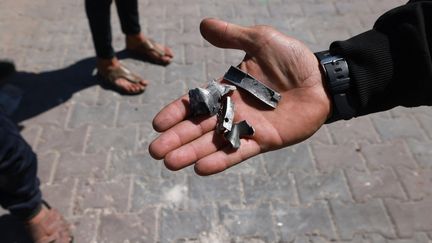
(110, 70)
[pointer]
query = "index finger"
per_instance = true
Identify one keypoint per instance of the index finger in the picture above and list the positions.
(172, 114)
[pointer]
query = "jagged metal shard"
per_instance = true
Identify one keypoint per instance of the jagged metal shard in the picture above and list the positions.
(201, 102)
(223, 89)
(207, 101)
(238, 131)
(245, 81)
(225, 116)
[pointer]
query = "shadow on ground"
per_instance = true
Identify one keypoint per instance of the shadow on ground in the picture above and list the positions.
(45, 90)
(38, 93)
(12, 230)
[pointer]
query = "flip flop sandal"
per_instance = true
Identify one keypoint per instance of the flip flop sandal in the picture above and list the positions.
(148, 46)
(52, 228)
(117, 73)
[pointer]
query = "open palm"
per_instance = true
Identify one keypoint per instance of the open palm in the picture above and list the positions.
(282, 63)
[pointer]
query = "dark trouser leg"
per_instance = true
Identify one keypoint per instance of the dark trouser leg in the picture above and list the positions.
(98, 13)
(129, 16)
(19, 185)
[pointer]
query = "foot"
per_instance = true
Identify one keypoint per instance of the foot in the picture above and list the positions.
(145, 47)
(49, 226)
(106, 66)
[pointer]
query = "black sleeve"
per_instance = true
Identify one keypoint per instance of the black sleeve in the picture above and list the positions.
(391, 64)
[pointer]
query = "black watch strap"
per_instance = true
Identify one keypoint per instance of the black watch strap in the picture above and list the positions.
(337, 80)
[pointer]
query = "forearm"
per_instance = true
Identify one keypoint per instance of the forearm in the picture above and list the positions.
(391, 64)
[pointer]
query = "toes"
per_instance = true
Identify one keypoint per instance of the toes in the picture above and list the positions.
(168, 52)
(143, 83)
(131, 88)
(166, 59)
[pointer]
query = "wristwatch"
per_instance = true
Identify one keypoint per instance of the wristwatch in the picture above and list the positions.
(337, 82)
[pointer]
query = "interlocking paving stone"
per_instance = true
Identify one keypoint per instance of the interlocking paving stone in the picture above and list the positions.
(128, 163)
(417, 238)
(172, 191)
(398, 128)
(57, 116)
(60, 195)
(32, 134)
(418, 183)
(215, 188)
(103, 139)
(158, 94)
(332, 157)
(182, 73)
(111, 195)
(178, 225)
(85, 226)
(411, 217)
(72, 165)
(97, 115)
(387, 155)
(92, 142)
(313, 219)
(260, 188)
(136, 114)
(46, 166)
(361, 217)
(377, 184)
(426, 123)
(422, 152)
(251, 166)
(71, 140)
(244, 222)
(283, 9)
(315, 186)
(128, 227)
(195, 54)
(359, 129)
(294, 158)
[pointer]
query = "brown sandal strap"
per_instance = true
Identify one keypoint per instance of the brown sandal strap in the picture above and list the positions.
(122, 72)
(150, 45)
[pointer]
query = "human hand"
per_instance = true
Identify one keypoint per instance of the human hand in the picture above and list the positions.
(282, 63)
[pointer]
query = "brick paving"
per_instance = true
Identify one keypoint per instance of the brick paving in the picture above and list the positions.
(366, 180)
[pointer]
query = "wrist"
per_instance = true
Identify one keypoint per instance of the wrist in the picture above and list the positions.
(336, 81)
(327, 95)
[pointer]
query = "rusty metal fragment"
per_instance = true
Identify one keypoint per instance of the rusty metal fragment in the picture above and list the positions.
(225, 116)
(238, 131)
(245, 81)
(207, 101)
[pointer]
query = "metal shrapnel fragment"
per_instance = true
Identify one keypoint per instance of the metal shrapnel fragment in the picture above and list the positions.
(207, 101)
(223, 89)
(238, 131)
(225, 116)
(245, 81)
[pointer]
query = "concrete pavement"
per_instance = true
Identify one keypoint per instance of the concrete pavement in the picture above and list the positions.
(366, 180)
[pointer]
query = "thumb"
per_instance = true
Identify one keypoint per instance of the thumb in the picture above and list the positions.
(226, 35)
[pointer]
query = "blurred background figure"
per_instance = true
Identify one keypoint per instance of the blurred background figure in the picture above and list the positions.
(19, 184)
(110, 70)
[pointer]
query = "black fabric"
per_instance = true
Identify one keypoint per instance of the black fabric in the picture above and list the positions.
(19, 185)
(99, 16)
(129, 17)
(391, 64)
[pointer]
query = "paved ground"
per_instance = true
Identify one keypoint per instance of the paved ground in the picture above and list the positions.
(367, 180)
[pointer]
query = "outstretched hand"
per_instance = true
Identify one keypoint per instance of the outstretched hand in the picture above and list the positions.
(282, 63)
